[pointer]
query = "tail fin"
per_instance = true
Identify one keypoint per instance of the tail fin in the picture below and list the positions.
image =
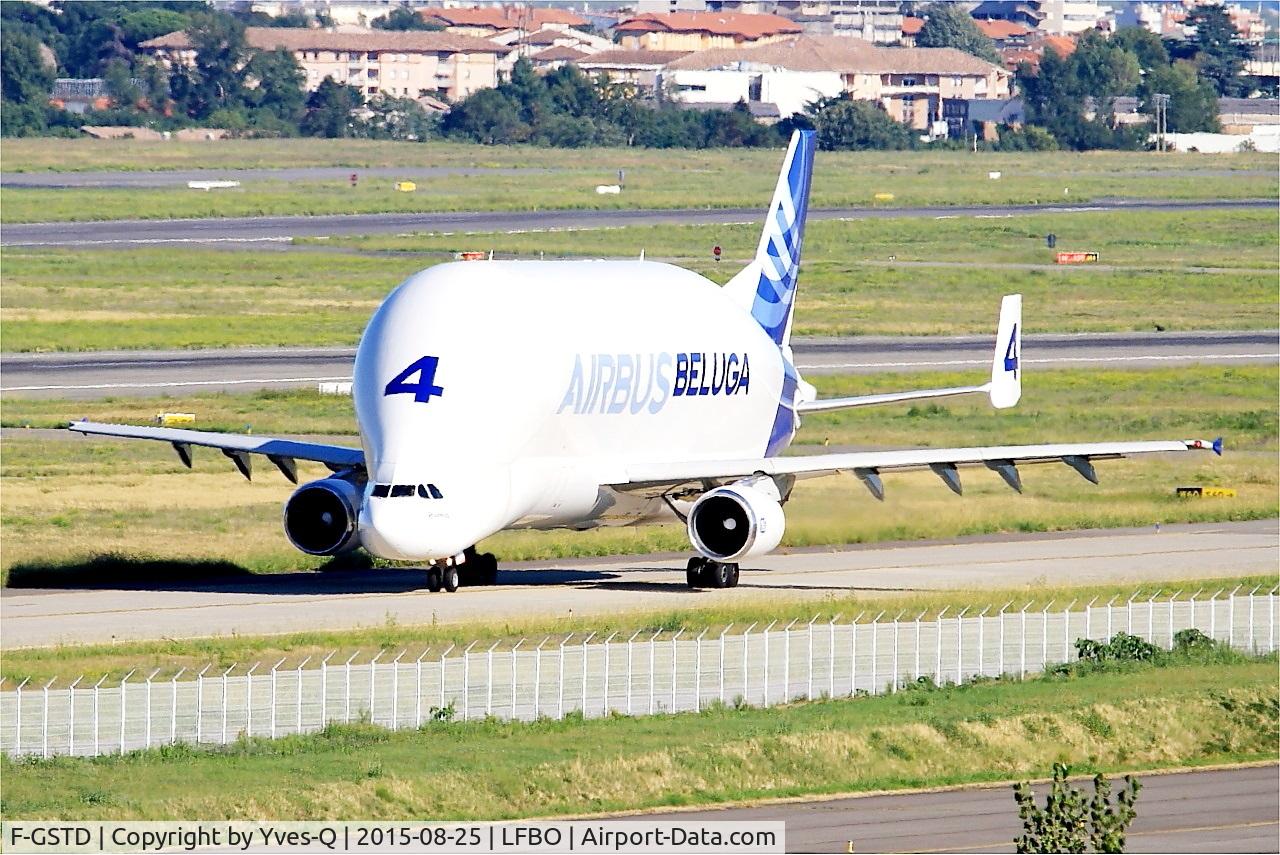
(767, 286)
(1006, 363)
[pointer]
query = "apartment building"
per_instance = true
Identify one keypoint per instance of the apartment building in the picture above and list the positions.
(692, 31)
(412, 64)
(488, 21)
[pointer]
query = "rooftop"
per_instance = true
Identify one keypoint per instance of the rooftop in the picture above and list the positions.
(559, 52)
(505, 17)
(633, 58)
(839, 54)
(714, 23)
(300, 38)
(1000, 30)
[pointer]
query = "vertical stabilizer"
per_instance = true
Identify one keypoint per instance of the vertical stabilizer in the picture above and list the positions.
(1006, 363)
(767, 286)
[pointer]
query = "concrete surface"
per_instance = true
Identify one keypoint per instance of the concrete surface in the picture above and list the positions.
(305, 601)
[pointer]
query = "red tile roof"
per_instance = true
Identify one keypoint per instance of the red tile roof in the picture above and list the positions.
(714, 23)
(1063, 45)
(1000, 30)
(559, 52)
(301, 38)
(505, 17)
(911, 26)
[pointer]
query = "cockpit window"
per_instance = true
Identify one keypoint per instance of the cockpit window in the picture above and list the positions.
(434, 491)
(380, 491)
(399, 490)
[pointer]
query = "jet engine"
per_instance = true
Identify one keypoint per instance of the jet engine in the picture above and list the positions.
(321, 517)
(737, 520)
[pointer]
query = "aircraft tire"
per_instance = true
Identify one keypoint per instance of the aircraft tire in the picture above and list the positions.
(693, 572)
(435, 580)
(733, 576)
(449, 576)
(718, 574)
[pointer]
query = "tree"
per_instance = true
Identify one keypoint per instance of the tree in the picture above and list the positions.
(949, 25)
(276, 86)
(401, 119)
(329, 111)
(489, 116)
(1219, 54)
(221, 50)
(1070, 823)
(1193, 103)
(24, 77)
(405, 18)
(845, 124)
(1143, 44)
(119, 81)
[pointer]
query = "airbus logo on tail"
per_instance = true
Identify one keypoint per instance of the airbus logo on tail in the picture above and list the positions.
(634, 383)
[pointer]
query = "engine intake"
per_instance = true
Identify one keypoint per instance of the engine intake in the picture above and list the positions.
(321, 518)
(737, 521)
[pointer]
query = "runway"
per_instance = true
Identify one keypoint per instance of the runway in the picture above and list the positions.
(145, 373)
(1226, 810)
(281, 230)
(582, 587)
(180, 177)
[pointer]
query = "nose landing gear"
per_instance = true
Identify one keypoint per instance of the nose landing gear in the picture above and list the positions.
(475, 569)
(705, 573)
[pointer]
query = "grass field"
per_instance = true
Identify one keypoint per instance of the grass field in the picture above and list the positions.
(91, 300)
(67, 501)
(1127, 718)
(672, 179)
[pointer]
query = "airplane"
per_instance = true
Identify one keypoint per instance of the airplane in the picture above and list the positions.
(495, 395)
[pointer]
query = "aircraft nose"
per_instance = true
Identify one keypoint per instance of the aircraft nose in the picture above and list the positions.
(400, 528)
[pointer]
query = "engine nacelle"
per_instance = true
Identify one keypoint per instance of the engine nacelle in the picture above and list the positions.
(321, 518)
(738, 520)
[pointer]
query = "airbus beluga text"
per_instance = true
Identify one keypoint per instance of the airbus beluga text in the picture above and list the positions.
(603, 393)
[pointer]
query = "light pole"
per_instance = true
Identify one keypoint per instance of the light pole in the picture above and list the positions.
(1161, 102)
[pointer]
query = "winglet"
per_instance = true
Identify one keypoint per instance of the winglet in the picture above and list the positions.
(1006, 363)
(1217, 446)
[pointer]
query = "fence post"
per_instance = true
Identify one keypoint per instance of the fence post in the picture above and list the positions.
(560, 680)
(466, 681)
(720, 694)
(583, 708)
(982, 641)
(1066, 631)
(537, 677)
(765, 699)
(1109, 616)
(629, 669)
(1271, 621)
(606, 709)
(1044, 636)
(274, 668)
(200, 703)
(831, 657)
(44, 725)
(1128, 620)
(853, 655)
(297, 717)
(746, 649)
(679, 633)
(697, 673)
(1088, 618)
(17, 747)
(123, 682)
(346, 689)
(442, 656)
(513, 677)
(147, 726)
(893, 687)
(1213, 615)
(224, 702)
(937, 671)
(324, 688)
(915, 674)
(653, 644)
(875, 656)
(1151, 617)
(1172, 599)
(1000, 663)
(1022, 632)
(488, 679)
(248, 699)
(808, 692)
(96, 686)
(395, 691)
(173, 705)
(1231, 621)
(960, 645)
(786, 661)
(71, 715)
(1253, 644)
(373, 686)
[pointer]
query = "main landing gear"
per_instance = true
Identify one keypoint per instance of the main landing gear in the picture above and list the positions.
(705, 573)
(475, 569)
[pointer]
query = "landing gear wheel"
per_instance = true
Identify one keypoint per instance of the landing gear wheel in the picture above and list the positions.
(693, 572)
(435, 580)
(487, 569)
(449, 576)
(718, 574)
(733, 576)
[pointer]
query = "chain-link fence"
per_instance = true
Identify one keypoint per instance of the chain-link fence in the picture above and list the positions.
(644, 674)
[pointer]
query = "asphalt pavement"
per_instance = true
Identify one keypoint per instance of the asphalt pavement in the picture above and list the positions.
(145, 373)
(180, 177)
(120, 610)
(250, 230)
(1223, 810)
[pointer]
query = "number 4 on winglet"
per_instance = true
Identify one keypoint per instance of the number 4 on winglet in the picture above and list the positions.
(425, 388)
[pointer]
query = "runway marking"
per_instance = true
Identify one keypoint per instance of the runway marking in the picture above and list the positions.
(1051, 361)
(174, 383)
(993, 846)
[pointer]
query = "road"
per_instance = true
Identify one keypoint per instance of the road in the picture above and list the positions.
(1225, 810)
(301, 601)
(143, 373)
(248, 230)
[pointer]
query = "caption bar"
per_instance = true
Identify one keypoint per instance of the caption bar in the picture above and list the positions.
(600, 836)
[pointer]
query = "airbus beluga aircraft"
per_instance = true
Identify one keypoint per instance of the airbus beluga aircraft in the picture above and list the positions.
(604, 393)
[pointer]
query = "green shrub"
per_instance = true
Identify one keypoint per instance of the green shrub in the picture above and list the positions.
(1070, 823)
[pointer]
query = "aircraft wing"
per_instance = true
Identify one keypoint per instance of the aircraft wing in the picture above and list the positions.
(690, 478)
(282, 452)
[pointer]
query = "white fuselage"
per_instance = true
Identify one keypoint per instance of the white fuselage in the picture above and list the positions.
(549, 379)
